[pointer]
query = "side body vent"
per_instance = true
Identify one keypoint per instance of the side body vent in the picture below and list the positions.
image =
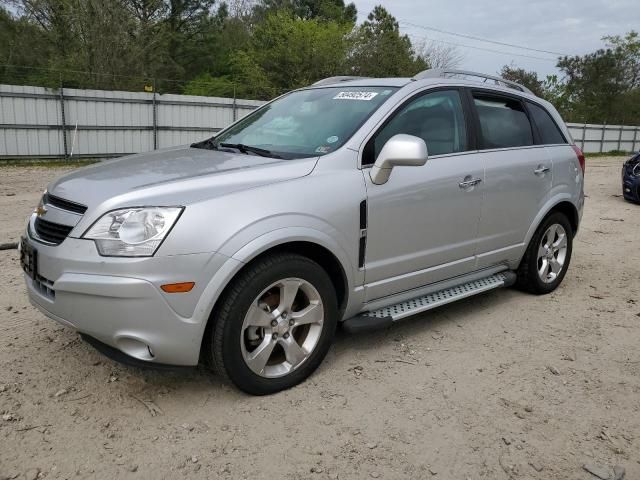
(363, 233)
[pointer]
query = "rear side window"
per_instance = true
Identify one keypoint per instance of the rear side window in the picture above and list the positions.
(503, 122)
(549, 132)
(436, 117)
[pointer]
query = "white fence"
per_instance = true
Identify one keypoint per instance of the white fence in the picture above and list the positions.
(41, 122)
(605, 138)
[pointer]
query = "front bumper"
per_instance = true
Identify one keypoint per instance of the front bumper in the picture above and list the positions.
(630, 187)
(118, 301)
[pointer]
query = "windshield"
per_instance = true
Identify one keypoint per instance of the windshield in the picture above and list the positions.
(304, 123)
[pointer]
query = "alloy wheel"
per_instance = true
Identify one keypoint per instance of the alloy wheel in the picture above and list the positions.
(552, 253)
(282, 327)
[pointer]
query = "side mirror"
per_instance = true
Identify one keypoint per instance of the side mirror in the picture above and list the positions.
(400, 150)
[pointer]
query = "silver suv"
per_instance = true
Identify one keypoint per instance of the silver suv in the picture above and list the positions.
(358, 201)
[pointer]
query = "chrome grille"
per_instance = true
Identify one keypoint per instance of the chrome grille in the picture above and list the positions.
(51, 232)
(54, 219)
(63, 204)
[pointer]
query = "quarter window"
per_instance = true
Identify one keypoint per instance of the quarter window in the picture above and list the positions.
(435, 117)
(549, 132)
(503, 122)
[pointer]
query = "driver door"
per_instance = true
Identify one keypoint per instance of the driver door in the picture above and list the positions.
(423, 222)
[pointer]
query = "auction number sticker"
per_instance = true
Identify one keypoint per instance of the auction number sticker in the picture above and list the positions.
(366, 96)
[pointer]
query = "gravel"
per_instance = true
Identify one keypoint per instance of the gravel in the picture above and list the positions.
(437, 393)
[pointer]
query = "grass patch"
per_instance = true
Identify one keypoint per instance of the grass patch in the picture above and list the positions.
(612, 153)
(52, 163)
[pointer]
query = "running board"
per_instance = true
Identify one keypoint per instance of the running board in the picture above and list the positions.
(385, 316)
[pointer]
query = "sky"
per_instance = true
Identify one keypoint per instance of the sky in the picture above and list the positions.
(572, 27)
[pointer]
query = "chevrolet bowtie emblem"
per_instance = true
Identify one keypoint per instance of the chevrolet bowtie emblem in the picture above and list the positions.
(41, 210)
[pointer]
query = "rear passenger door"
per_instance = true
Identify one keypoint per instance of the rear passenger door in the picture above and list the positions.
(518, 175)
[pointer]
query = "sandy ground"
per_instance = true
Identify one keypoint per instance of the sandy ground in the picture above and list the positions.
(503, 385)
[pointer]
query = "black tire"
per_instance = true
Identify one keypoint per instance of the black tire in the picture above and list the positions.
(222, 346)
(528, 277)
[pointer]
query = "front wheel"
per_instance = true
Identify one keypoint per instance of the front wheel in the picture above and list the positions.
(547, 258)
(274, 324)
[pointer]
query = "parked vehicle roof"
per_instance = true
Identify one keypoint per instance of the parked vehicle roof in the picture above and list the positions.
(434, 76)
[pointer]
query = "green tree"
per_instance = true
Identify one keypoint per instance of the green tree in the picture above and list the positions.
(77, 32)
(187, 25)
(595, 83)
(23, 49)
(288, 52)
(599, 87)
(555, 91)
(261, 48)
(379, 50)
(208, 86)
(250, 79)
(526, 78)
(119, 43)
(628, 50)
(329, 10)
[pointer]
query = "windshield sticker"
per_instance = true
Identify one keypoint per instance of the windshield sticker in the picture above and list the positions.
(332, 139)
(386, 92)
(366, 96)
(323, 149)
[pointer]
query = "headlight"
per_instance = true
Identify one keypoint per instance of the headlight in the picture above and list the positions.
(132, 232)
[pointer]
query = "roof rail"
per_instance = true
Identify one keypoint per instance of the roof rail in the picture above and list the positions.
(448, 73)
(338, 79)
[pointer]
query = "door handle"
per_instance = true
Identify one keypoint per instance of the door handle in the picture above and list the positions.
(469, 182)
(542, 169)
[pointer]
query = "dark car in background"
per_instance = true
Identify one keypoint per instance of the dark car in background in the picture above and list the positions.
(631, 179)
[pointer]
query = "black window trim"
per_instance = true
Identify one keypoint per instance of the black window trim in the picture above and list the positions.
(486, 92)
(535, 125)
(468, 123)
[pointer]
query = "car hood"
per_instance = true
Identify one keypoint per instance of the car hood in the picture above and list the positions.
(173, 176)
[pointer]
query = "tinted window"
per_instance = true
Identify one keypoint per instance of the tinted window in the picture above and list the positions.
(548, 129)
(503, 123)
(436, 117)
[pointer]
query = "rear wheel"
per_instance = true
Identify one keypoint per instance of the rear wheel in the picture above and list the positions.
(274, 325)
(547, 258)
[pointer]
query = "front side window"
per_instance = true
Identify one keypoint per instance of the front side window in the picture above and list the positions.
(503, 122)
(437, 118)
(304, 123)
(547, 128)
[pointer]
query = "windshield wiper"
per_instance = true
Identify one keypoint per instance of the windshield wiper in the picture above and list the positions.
(249, 149)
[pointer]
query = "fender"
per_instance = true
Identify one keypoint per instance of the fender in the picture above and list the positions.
(293, 234)
(259, 245)
(544, 211)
